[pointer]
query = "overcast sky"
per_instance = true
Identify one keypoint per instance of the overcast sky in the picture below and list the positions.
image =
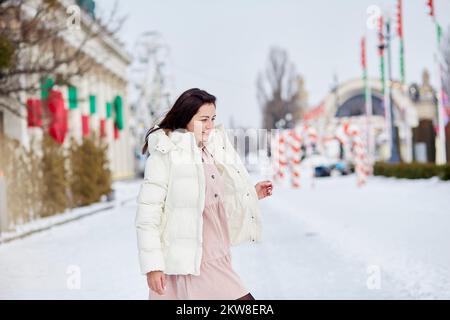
(220, 46)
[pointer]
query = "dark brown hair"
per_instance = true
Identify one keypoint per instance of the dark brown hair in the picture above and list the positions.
(185, 107)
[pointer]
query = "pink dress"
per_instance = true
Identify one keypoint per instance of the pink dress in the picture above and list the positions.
(217, 279)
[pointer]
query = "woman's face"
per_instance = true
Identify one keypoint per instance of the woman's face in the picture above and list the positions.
(203, 122)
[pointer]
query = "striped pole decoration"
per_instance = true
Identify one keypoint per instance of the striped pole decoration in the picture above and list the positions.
(280, 153)
(359, 154)
(295, 152)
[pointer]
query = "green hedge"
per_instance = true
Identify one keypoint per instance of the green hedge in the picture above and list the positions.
(412, 170)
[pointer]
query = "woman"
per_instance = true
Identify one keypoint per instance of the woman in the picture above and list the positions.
(196, 201)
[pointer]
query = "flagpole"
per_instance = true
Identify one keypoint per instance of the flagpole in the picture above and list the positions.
(402, 44)
(367, 96)
(384, 91)
(441, 154)
(395, 154)
(406, 127)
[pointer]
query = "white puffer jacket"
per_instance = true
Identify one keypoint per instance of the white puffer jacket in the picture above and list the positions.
(172, 197)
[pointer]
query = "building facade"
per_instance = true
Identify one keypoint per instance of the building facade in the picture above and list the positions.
(415, 118)
(94, 102)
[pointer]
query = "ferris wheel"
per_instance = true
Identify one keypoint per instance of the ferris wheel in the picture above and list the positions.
(151, 87)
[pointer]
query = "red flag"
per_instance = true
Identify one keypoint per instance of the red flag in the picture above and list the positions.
(102, 128)
(59, 122)
(55, 101)
(363, 53)
(116, 132)
(380, 36)
(58, 129)
(34, 113)
(85, 125)
(430, 5)
(400, 18)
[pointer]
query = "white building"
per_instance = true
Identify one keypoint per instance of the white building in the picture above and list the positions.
(95, 94)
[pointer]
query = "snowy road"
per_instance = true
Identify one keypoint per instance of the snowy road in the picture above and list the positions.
(387, 240)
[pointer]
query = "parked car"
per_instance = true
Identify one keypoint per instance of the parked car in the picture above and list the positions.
(326, 167)
(322, 171)
(320, 164)
(342, 167)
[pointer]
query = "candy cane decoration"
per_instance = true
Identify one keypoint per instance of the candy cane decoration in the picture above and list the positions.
(311, 141)
(290, 144)
(359, 154)
(350, 137)
(289, 152)
(280, 162)
(295, 156)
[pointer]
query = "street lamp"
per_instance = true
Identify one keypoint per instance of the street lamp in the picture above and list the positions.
(395, 154)
(284, 123)
(288, 117)
(280, 123)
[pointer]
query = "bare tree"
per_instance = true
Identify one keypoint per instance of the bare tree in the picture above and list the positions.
(34, 45)
(278, 88)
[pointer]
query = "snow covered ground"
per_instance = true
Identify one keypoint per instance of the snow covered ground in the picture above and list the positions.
(331, 239)
(99, 250)
(387, 240)
(124, 193)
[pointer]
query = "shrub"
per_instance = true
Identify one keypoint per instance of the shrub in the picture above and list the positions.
(412, 170)
(54, 194)
(48, 179)
(90, 177)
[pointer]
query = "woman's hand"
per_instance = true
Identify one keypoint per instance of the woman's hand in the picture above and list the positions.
(156, 281)
(264, 189)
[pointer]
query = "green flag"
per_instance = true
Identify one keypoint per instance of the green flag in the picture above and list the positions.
(46, 85)
(92, 104)
(73, 97)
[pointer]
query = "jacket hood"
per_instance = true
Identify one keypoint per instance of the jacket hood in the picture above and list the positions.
(183, 138)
